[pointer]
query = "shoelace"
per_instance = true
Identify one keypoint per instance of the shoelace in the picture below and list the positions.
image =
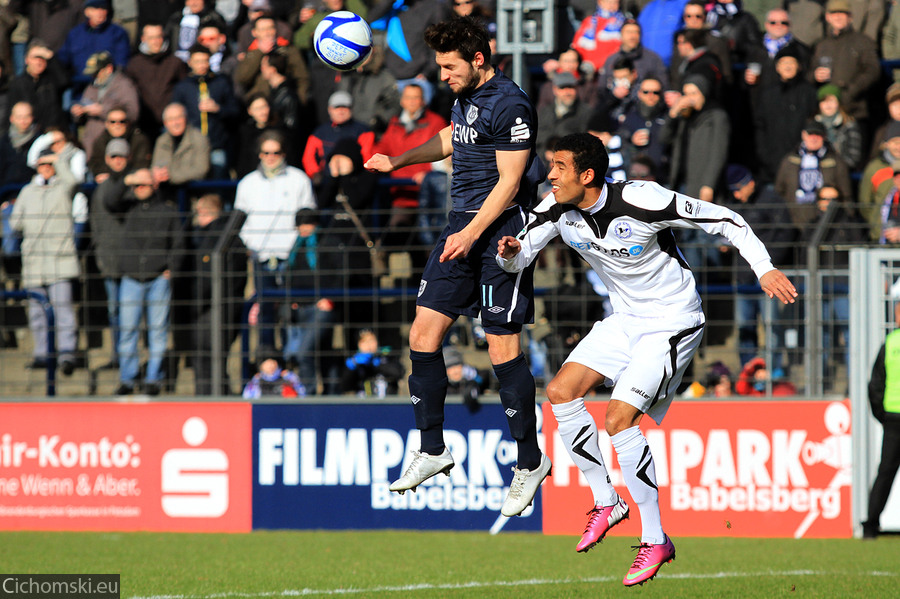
(643, 550)
(594, 514)
(518, 482)
(414, 465)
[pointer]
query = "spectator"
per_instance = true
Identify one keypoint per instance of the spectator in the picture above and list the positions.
(694, 17)
(284, 101)
(257, 9)
(266, 41)
(570, 62)
(846, 58)
(43, 215)
(106, 234)
(371, 372)
(841, 129)
(181, 154)
(777, 36)
(890, 209)
(692, 57)
(324, 137)
(737, 27)
(647, 63)
(465, 380)
(221, 59)
(876, 180)
(260, 118)
(755, 378)
(892, 100)
(567, 114)
(273, 381)
(118, 127)
(768, 216)
(41, 85)
(308, 321)
(49, 21)
(599, 35)
(109, 89)
(94, 35)
(698, 130)
(209, 227)
(155, 72)
(811, 165)
(183, 27)
(271, 197)
(15, 144)
(642, 127)
(211, 105)
(782, 107)
(152, 245)
(415, 125)
(659, 20)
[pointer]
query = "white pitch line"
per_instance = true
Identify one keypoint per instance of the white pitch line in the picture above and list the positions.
(497, 583)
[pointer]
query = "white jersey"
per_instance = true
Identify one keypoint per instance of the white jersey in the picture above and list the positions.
(627, 238)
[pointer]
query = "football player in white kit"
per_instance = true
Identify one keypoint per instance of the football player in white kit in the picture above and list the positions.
(623, 230)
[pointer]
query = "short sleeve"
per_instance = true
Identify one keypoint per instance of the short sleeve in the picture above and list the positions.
(514, 124)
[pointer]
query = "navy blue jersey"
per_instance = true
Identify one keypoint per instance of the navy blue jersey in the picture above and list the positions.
(496, 116)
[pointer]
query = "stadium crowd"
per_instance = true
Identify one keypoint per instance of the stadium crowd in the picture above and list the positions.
(131, 130)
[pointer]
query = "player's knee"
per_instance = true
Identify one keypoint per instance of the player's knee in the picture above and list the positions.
(616, 423)
(558, 392)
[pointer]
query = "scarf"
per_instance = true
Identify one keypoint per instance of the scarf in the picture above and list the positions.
(773, 45)
(187, 33)
(810, 178)
(722, 12)
(612, 26)
(409, 120)
(18, 140)
(310, 243)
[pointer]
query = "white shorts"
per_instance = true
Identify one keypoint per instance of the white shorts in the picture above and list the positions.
(643, 358)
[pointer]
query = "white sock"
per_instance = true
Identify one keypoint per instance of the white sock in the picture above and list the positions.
(578, 431)
(640, 478)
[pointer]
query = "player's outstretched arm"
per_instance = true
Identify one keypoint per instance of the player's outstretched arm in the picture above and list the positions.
(437, 148)
(776, 284)
(508, 247)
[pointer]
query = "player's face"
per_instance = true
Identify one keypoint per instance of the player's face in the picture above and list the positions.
(461, 76)
(567, 184)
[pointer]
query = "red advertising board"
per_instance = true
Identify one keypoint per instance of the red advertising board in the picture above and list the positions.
(725, 468)
(158, 467)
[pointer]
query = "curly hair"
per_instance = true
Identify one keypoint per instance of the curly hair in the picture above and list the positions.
(465, 35)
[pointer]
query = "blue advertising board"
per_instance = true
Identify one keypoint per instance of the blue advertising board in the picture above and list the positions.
(329, 467)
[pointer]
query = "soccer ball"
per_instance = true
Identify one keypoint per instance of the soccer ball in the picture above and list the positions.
(343, 40)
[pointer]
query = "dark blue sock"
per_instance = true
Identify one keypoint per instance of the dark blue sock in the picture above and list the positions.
(428, 390)
(517, 397)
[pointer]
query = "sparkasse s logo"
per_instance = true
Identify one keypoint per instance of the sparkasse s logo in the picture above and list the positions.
(194, 480)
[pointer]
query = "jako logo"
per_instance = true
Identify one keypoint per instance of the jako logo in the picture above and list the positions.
(194, 481)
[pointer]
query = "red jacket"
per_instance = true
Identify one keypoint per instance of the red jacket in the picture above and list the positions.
(397, 140)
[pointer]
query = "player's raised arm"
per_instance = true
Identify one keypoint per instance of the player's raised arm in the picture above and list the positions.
(776, 284)
(436, 148)
(508, 247)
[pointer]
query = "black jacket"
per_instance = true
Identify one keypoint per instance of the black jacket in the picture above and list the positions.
(152, 236)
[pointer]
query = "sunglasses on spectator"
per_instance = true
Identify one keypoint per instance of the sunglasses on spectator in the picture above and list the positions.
(117, 122)
(785, 23)
(270, 153)
(142, 185)
(652, 92)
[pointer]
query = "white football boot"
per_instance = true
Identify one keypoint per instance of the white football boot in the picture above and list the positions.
(423, 467)
(524, 487)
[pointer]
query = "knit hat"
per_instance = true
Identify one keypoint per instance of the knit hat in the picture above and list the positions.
(44, 154)
(452, 357)
(565, 79)
(814, 127)
(700, 81)
(838, 6)
(791, 50)
(829, 89)
(893, 93)
(892, 130)
(340, 99)
(737, 175)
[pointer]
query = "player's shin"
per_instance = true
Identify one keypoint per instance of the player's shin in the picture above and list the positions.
(579, 433)
(517, 398)
(639, 473)
(428, 392)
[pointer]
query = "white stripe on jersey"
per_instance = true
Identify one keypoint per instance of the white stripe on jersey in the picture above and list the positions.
(628, 241)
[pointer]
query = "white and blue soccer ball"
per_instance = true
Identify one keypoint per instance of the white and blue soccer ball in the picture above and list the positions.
(343, 40)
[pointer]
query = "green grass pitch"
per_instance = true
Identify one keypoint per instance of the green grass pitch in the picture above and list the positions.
(452, 564)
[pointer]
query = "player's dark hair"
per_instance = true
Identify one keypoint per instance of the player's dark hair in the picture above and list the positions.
(587, 151)
(465, 35)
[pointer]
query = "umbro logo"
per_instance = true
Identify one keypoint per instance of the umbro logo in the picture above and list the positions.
(415, 399)
(510, 412)
(496, 309)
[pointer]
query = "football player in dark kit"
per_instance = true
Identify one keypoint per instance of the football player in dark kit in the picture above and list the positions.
(495, 176)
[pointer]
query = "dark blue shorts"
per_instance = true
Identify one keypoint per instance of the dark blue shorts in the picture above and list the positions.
(476, 285)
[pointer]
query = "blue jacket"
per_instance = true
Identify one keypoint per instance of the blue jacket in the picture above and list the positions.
(659, 21)
(83, 41)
